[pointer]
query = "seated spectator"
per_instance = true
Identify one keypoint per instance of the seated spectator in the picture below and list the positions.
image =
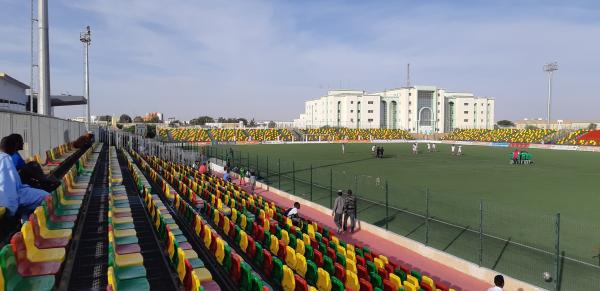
(293, 212)
(19, 199)
(498, 283)
(202, 168)
(227, 176)
(84, 141)
(30, 173)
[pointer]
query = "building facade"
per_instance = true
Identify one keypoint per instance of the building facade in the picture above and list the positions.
(418, 109)
(12, 93)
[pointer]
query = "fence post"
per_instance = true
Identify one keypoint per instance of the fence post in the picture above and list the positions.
(480, 232)
(294, 177)
(427, 216)
(257, 168)
(387, 205)
(330, 188)
(267, 176)
(279, 173)
(311, 184)
(557, 258)
(248, 159)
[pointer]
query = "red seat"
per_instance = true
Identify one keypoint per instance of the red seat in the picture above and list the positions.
(282, 250)
(260, 233)
(231, 229)
(187, 280)
(360, 261)
(45, 243)
(362, 272)
(331, 253)
(128, 249)
(300, 283)
(441, 285)
(389, 267)
(26, 267)
(365, 285)
(426, 287)
(314, 244)
(340, 272)
(388, 286)
(235, 270)
(267, 262)
(368, 257)
(53, 216)
(122, 214)
(318, 258)
(251, 249)
(383, 273)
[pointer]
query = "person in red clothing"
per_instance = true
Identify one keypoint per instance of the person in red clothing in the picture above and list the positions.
(515, 156)
(202, 168)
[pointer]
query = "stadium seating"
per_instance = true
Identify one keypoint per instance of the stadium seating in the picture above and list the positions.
(185, 134)
(55, 157)
(334, 134)
(309, 252)
(591, 138)
(36, 253)
(269, 134)
(500, 135)
(226, 135)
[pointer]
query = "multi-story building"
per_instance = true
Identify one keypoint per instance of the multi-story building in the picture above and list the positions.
(422, 109)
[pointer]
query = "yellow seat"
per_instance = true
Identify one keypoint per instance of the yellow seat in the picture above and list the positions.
(396, 281)
(409, 286)
(384, 259)
(323, 280)
(39, 255)
(2, 211)
(378, 263)
(412, 280)
(124, 232)
(285, 237)
(300, 249)
(352, 280)
(190, 254)
(243, 241)
(203, 274)
(428, 281)
(111, 278)
(49, 233)
(274, 247)
(300, 264)
(306, 239)
(243, 221)
(341, 250)
(351, 265)
(288, 283)
(120, 220)
(220, 251)
(207, 239)
(180, 264)
(226, 224)
(290, 256)
(311, 288)
(234, 215)
(311, 232)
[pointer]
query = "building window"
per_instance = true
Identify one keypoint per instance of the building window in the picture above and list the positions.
(351, 102)
(438, 111)
(351, 110)
(370, 120)
(466, 112)
(466, 104)
(466, 120)
(409, 103)
(369, 111)
(409, 94)
(370, 102)
(351, 119)
(409, 111)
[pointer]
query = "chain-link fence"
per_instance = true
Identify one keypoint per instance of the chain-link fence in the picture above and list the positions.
(549, 251)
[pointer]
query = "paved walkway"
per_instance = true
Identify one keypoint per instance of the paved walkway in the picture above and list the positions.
(394, 252)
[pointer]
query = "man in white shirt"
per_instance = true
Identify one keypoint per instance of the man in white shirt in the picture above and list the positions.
(498, 282)
(453, 147)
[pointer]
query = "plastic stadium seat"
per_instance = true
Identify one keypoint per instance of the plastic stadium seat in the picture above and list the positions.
(365, 285)
(300, 265)
(328, 265)
(288, 282)
(376, 280)
(340, 272)
(25, 267)
(277, 273)
(395, 280)
(37, 255)
(267, 262)
(318, 258)
(300, 283)
(389, 286)
(311, 273)
(235, 271)
(323, 280)
(352, 280)
(11, 280)
(336, 284)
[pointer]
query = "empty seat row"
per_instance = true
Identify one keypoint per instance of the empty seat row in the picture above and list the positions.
(126, 269)
(368, 268)
(185, 261)
(240, 271)
(36, 254)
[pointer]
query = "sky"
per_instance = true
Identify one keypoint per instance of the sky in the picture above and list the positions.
(263, 59)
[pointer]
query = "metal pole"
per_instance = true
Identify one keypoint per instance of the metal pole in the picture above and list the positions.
(257, 168)
(267, 176)
(426, 216)
(557, 258)
(279, 173)
(330, 188)
(480, 232)
(43, 105)
(311, 183)
(387, 205)
(294, 177)
(86, 40)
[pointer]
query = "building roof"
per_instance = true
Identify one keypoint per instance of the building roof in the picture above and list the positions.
(67, 100)
(9, 79)
(554, 121)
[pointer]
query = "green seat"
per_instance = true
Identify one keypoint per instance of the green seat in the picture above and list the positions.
(133, 284)
(292, 243)
(277, 273)
(308, 252)
(340, 258)
(311, 273)
(227, 258)
(336, 284)
(376, 280)
(256, 283)
(328, 265)
(416, 274)
(126, 240)
(14, 281)
(371, 267)
(258, 255)
(246, 277)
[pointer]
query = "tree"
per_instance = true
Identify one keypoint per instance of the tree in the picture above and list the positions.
(505, 123)
(252, 123)
(272, 124)
(151, 131)
(153, 119)
(202, 120)
(106, 118)
(124, 118)
(138, 119)
(592, 126)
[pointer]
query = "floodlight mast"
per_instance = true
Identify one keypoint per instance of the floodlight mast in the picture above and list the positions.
(550, 68)
(86, 38)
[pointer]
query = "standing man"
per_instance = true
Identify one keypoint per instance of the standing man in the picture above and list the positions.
(459, 153)
(428, 147)
(343, 148)
(338, 210)
(453, 147)
(349, 211)
(252, 179)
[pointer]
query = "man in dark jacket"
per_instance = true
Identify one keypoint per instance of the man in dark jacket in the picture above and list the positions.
(350, 211)
(338, 210)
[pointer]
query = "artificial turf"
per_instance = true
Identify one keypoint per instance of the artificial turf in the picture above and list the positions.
(520, 202)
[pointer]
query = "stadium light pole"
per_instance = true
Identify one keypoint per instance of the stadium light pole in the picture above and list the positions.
(550, 68)
(86, 38)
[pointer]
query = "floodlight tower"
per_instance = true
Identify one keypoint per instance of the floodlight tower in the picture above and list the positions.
(550, 68)
(86, 38)
(44, 107)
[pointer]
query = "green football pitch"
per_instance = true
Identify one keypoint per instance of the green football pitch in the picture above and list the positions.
(480, 207)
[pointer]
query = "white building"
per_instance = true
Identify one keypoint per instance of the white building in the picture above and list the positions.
(12, 93)
(422, 109)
